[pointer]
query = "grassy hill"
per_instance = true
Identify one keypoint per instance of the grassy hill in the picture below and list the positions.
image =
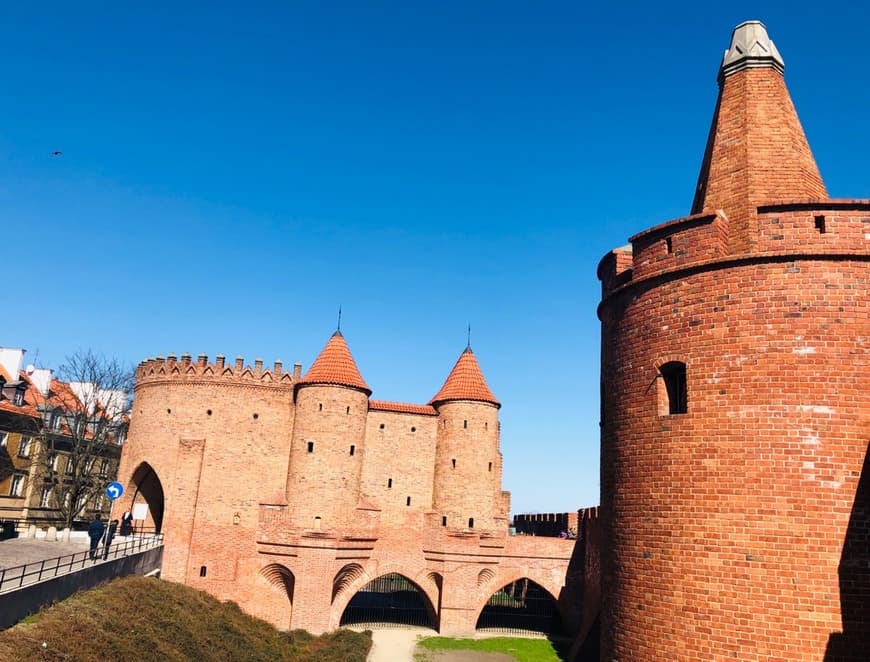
(141, 618)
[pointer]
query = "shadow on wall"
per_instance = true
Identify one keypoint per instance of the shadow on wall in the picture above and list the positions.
(853, 643)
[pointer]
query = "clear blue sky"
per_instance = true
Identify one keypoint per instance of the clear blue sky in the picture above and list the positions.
(232, 173)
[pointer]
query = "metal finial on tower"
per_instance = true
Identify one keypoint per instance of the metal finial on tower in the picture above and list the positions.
(339, 318)
(468, 346)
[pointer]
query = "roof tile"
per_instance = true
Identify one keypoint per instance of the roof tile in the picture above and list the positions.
(335, 365)
(465, 382)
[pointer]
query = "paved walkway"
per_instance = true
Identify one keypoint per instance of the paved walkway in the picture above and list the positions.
(18, 551)
(396, 644)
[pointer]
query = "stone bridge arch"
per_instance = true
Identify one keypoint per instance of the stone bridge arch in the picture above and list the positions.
(353, 577)
(494, 584)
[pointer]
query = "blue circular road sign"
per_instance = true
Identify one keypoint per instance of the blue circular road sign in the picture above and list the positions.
(114, 490)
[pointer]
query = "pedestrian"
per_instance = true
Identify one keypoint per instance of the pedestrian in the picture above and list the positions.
(95, 532)
(110, 533)
(127, 523)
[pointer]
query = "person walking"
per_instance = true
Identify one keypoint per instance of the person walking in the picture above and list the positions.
(110, 533)
(95, 532)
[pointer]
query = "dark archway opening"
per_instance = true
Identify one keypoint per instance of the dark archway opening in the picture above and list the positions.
(521, 606)
(389, 600)
(148, 489)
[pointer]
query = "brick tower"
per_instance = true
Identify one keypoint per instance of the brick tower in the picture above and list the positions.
(467, 485)
(735, 399)
(327, 447)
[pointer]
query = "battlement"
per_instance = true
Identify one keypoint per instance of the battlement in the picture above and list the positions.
(803, 227)
(186, 369)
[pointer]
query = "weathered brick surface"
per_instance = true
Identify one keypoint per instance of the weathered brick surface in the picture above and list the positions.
(731, 530)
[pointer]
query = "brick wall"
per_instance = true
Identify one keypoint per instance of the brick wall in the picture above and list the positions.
(725, 526)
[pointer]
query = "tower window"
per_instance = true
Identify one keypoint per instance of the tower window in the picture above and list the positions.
(669, 246)
(202, 571)
(444, 520)
(381, 426)
(470, 522)
(464, 424)
(454, 462)
(413, 429)
(320, 407)
(820, 224)
(389, 483)
(490, 467)
(347, 410)
(408, 501)
(675, 392)
(352, 450)
(310, 446)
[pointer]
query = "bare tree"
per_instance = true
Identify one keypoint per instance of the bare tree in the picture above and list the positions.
(84, 418)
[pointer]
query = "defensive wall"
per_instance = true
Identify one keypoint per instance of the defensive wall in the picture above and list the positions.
(289, 494)
(735, 400)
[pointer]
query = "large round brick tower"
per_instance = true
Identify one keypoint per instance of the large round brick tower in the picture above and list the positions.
(467, 486)
(327, 447)
(736, 402)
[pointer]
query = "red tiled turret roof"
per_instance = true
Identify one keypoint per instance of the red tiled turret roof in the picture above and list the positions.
(335, 365)
(465, 382)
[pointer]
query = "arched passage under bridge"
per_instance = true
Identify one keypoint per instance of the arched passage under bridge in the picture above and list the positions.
(390, 599)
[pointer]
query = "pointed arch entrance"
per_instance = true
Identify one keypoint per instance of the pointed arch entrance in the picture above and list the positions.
(521, 606)
(391, 599)
(145, 487)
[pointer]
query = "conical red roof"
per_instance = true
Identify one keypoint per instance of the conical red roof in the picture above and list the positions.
(757, 152)
(465, 382)
(335, 365)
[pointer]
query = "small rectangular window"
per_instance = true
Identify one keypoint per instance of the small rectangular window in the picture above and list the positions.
(408, 501)
(202, 571)
(17, 487)
(352, 449)
(45, 497)
(24, 447)
(444, 520)
(310, 446)
(674, 376)
(389, 483)
(820, 224)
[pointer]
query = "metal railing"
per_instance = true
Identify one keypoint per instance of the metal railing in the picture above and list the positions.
(37, 571)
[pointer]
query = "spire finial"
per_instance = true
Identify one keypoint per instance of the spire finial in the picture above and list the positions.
(468, 346)
(339, 318)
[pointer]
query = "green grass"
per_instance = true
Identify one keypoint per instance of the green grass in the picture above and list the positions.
(525, 650)
(139, 618)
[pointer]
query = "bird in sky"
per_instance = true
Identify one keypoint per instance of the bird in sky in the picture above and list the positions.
(57, 153)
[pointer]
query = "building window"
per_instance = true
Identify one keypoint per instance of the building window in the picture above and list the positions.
(820, 224)
(453, 462)
(52, 461)
(4, 437)
(56, 420)
(202, 571)
(310, 446)
(470, 522)
(17, 487)
(18, 398)
(104, 468)
(408, 501)
(675, 392)
(444, 520)
(24, 447)
(389, 483)
(352, 449)
(45, 497)
(464, 424)
(490, 466)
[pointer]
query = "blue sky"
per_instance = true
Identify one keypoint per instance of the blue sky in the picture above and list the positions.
(232, 173)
